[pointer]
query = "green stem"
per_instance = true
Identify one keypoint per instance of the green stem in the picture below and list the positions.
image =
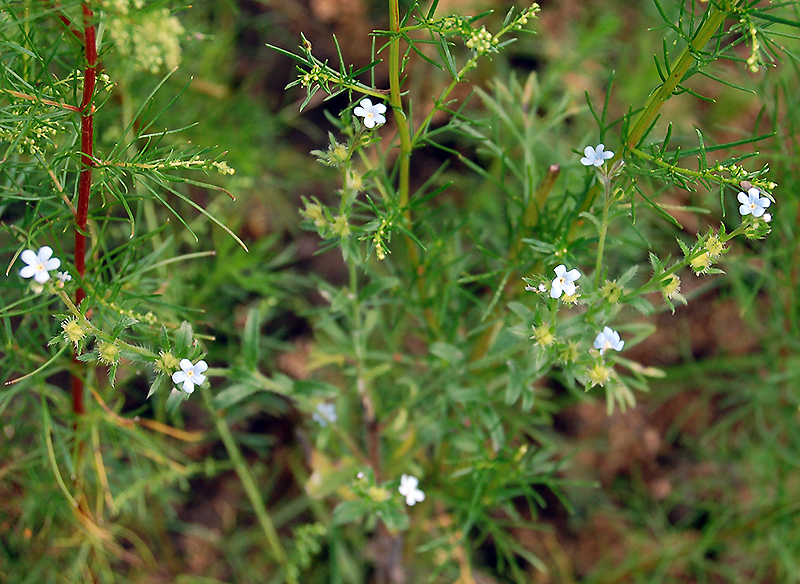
(248, 482)
(654, 284)
(685, 172)
(98, 333)
(715, 18)
(396, 103)
(603, 229)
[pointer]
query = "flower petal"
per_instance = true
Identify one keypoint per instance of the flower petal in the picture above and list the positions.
(52, 264)
(45, 253)
(27, 272)
(29, 257)
(186, 365)
(41, 276)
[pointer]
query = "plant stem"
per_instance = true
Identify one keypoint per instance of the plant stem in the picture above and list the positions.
(397, 107)
(603, 229)
(248, 482)
(715, 18)
(85, 179)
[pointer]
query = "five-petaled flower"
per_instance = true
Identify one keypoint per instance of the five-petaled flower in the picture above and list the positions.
(409, 489)
(752, 203)
(596, 156)
(325, 413)
(39, 264)
(190, 375)
(608, 339)
(372, 114)
(564, 282)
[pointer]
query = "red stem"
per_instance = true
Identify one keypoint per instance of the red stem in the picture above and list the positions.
(85, 179)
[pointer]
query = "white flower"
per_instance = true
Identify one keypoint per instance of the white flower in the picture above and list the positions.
(190, 375)
(752, 203)
(596, 156)
(564, 282)
(408, 488)
(39, 264)
(325, 413)
(63, 278)
(608, 339)
(372, 114)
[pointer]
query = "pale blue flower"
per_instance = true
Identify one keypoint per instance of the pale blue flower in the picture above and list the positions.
(372, 114)
(608, 339)
(190, 375)
(596, 156)
(39, 264)
(409, 489)
(325, 413)
(564, 282)
(752, 203)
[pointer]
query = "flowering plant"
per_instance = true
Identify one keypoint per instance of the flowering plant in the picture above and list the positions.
(469, 297)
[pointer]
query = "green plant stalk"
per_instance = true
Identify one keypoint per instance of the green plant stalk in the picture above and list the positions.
(654, 284)
(403, 131)
(602, 231)
(716, 16)
(249, 484)
(701, 175)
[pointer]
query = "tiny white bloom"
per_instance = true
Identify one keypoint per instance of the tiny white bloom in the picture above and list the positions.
(408, 488)
(564, 282)
(372, 114)
(63, 278)
(752, 203)
(608, 339)
(190, 375)
(325, 413)
(39, 264)
(596, 156)
(767, 217)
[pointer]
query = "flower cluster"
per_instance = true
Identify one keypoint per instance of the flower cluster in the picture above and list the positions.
(151, 38)
(481, 41)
